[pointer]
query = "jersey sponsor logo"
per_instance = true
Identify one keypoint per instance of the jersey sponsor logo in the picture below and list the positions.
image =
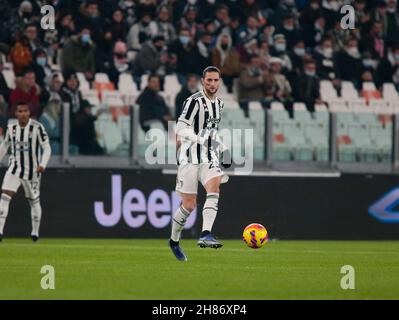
(136, 209)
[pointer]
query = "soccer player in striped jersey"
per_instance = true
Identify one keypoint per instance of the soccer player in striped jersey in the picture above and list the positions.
(199, 151)
(30, 153)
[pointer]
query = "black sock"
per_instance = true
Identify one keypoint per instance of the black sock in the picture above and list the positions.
(204, 233)
(173, 242)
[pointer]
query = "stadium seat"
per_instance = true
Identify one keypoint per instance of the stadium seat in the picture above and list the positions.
(327, 90)
(389, 91)
(83, 83)
(126, 84)
(348, 90)
(9, 76)
(101, 77)
(91, 96)
(112, 99)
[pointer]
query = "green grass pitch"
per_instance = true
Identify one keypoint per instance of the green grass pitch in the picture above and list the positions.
(146, 269)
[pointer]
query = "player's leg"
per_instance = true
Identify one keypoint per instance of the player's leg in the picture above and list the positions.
(211, 177)
(10, 186)
(32, 193)
(186, 186)
(189, 202)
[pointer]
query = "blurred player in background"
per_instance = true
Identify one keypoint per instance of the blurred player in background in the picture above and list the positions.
(199, 151)
(30, 153)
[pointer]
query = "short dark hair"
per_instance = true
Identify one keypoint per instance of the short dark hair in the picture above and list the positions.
(210, 69)
(153, 75)
(21, 103)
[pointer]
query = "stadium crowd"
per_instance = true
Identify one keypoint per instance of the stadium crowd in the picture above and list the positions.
(267, 50)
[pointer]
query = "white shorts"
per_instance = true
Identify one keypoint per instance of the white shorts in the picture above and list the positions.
(12, 183)
(189, 174)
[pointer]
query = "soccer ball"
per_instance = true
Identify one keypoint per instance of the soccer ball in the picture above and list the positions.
(255, 235)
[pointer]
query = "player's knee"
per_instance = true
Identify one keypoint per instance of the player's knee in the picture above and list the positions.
(190, 205)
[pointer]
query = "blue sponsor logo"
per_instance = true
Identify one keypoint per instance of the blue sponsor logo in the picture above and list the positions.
(384, 208)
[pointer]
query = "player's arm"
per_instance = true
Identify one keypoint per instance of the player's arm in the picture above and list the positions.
(5, 145)
(185, 123)
(45, 145)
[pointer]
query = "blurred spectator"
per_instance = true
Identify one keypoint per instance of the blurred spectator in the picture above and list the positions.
(314, 33)
(104, 49)
(186, 91)
(21, 52)
(152, 58)
(27, 91)
(264, 53)
(327, 68)
(255, 84)
(289, 30)
(14, 21)
(362, 17)
(139, 33)
(205, 51)
(331, 11)
(91, 18)
(297, 57)
(65, 27)
(247, 50)
(227, 59)
(222, 19)
(189, 20)
(162, 26)
(83, 132)
(153, 105)
(41, 68)
(373, 41)
(70, 93)
(307, 86)
(392, 20)
(339, 36)
(51, 116)
(249, 8)
(311, 13)
(129, 10)
(282, 89)
(388, 70)
(186, 55)
(79, 54)
(117, 64)
(248, 31)
(117, 25)
(349, 62)
(279, 50)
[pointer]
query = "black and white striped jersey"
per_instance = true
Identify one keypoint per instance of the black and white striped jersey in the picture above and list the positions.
(29, 148)
(200, 114)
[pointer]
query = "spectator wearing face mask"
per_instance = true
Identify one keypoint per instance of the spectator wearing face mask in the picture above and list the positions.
(281, 90)
(139, 33)
(189, 20)
(78, 54)
(92, 18)
(118, 63)
(279, 50)
(227, 59)
(307, 86)
(289, 30)
(152, 59)
(325, 58)
(41, 68)
(297, 56)
(185, 55)
(186, 91)
(13, 21)
(349, 62)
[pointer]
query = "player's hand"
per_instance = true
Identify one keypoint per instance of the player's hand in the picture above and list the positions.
(40, 169)
(226, 159)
